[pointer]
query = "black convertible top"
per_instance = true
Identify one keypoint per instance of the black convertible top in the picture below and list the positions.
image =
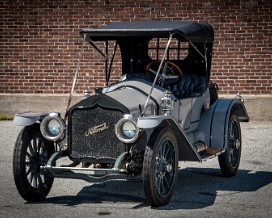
(183, 30)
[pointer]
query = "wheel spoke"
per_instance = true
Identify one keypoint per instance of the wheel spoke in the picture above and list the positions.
(170, 158)
(158, 162)
(167, 151)
(30, 148)
(40, 182)
(44, 151)
(28, 169)
(161, 185)
(28, 156)
(237, 153)
(34, 181)
(39, 145)
(232, 159)
(166, 181)
(157, 182)
(34, 143)
(162, 150)
(28, 166)
(30, 179)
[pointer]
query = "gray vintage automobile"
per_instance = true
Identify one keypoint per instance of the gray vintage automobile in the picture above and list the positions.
(163, 109)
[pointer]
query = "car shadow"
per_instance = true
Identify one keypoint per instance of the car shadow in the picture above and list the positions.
(196, 188)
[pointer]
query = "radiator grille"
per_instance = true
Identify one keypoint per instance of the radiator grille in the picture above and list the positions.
(91, 133)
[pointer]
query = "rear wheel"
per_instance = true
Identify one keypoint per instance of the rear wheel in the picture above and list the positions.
(229, 161)
(160, 168)
(31, 151)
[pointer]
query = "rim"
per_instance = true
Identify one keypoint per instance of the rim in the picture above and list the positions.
(165, 167)
(36, 156)
(234, 144)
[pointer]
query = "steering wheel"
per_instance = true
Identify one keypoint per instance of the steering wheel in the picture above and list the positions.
(169, 74)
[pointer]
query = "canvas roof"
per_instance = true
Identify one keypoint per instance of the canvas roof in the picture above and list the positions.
(183, 30)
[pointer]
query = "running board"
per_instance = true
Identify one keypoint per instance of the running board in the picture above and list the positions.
(206, 152)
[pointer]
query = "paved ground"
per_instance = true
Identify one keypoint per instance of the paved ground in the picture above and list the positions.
(201, 191)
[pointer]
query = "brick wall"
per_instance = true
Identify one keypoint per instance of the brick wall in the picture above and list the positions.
(39, 41)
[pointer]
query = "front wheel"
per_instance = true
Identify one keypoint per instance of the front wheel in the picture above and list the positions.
(229, 161)
(160, 167)
(31, 151)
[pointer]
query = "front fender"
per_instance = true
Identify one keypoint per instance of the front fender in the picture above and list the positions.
(27, 119)
(187, 151)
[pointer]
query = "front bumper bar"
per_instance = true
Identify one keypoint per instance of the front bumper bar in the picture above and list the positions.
(93, 175)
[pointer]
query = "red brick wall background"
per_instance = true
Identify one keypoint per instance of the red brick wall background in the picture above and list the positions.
(39, 41)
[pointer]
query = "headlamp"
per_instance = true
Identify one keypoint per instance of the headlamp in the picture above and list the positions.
(52, 127)
(126, 129)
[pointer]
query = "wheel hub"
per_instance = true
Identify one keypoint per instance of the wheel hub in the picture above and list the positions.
(164, 167)
(168, 168)
(237, 144)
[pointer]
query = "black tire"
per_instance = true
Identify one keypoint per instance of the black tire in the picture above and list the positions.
(31, 151)
(229, 161)
(160, 167)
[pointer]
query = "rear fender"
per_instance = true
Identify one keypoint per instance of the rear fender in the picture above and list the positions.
(27, 119)
(214, 122)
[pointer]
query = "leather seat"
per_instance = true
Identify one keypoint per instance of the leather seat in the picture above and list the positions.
(190, 86)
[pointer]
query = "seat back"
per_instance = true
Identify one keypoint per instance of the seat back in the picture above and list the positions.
(189, 86)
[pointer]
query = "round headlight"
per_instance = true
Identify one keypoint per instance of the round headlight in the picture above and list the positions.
(126, 130)
(52, 127)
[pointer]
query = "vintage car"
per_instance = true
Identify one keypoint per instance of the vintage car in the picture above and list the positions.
(157, 107)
